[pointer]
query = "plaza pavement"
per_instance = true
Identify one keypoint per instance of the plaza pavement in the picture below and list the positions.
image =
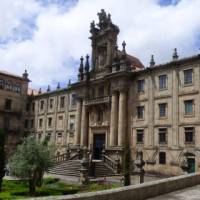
(113, 179)
(191, 193)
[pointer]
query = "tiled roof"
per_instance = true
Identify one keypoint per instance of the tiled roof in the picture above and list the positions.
(136, 63)
(10, 74)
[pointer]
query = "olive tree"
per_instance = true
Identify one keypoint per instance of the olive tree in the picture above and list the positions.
(31, 159)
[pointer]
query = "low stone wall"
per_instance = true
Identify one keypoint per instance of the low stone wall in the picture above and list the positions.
(135, 192)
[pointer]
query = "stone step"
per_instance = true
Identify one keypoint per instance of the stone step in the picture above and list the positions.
(102, 170)
(66, 174)
(66, 166)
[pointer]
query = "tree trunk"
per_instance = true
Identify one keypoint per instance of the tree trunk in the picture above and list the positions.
(39, 178)
(32, 183)
(32, 187)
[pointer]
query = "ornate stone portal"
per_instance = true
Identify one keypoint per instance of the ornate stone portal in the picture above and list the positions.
(102, 102)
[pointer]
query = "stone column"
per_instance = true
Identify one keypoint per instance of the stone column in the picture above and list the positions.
(84, 126)
(114, 119)
(78, 123)
(122, 118)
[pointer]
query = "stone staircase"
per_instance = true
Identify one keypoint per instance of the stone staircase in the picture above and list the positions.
(101, 169)
(72, 168)
(66, 168)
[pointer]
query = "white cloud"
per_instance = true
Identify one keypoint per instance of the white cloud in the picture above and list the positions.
(60, 38)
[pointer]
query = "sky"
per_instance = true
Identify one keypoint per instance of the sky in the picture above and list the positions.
(48, 37)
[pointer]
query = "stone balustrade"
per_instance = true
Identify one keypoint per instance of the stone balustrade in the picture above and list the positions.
(97, 100)
(135, 192)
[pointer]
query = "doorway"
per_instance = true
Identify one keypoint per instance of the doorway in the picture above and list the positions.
(98, 145)
(191, 164)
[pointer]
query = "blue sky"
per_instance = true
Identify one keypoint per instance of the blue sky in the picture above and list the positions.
(168, 2)
(47, 37)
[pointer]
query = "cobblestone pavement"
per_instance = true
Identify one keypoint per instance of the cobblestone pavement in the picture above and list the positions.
(191, 193)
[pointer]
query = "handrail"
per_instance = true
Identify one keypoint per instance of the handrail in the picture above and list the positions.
(64, 157)
(115, 166)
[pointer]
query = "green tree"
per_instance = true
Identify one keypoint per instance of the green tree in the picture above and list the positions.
(31, 160)
(2, 156)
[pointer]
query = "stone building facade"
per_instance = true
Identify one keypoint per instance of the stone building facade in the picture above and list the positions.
(13, 100)
(117, 101)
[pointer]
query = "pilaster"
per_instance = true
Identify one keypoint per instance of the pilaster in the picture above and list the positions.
(122, 118)
(114, 120)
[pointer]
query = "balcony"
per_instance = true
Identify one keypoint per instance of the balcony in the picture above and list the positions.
(98, 100)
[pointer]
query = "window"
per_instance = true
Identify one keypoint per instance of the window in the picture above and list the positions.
(140, 112)
(188, 76)
(48, 136)
(51, 104)
(27, 107)
(17, 88)
(162, 135)
(50, 122)
(73, 100)
(41, 105)
(8, 86)
(140, 85)
(59, 138)
(26, 123)
(71, 126)
(2, 82)
(101, 91)
(32, 123)
(163, 82)
(33, 107)
(8, 104)
(62, 102)
(189, 134)
(162, 110)
(162, 158)
(93, 93)
(6, 123)
(188, 107)
(60, 122)
(140, 136)
(40, 123)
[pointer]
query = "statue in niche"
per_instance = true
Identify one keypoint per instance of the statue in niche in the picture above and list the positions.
(101, 59)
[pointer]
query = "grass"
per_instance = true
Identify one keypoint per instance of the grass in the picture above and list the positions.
(18, 189)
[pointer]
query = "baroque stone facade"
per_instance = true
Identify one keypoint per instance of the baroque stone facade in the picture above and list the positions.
(116, 100)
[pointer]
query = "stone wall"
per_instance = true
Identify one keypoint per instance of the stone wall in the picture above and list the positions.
(136, 192)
